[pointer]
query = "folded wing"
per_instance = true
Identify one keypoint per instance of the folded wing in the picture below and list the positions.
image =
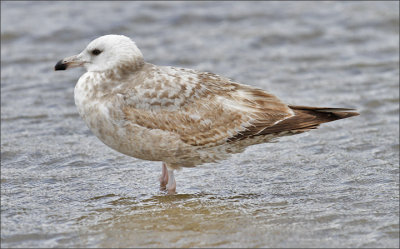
(214, 111)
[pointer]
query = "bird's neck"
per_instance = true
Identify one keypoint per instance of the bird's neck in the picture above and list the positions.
(124, 69)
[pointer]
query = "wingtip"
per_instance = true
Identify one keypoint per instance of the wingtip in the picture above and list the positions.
(350, 111)
(346, 114)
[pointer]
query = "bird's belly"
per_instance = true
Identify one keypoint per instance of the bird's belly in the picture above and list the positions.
(106, 122)
(147, 144)
(120, 137)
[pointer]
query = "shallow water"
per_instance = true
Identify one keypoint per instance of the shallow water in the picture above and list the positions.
(337, 186)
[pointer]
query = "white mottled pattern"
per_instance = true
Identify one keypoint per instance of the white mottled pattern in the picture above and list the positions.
(179, 116)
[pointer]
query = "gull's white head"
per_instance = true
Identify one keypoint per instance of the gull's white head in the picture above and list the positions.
(105, 53)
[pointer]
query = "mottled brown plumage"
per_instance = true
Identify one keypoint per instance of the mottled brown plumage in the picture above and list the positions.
(179, 116)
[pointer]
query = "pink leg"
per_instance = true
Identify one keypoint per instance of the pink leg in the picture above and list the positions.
(167, 180)
(171, 186)
(164, 177)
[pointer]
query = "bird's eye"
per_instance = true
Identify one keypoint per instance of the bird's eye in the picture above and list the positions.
(96, 51)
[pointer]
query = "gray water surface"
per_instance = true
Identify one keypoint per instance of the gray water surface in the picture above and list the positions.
(337, 186)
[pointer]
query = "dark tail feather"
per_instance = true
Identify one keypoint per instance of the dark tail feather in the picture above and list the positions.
(307, 118)
(339, 113)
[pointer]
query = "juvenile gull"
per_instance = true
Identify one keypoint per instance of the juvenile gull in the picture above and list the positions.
(178, 116)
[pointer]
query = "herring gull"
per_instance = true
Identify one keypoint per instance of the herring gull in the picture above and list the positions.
(178, 116)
